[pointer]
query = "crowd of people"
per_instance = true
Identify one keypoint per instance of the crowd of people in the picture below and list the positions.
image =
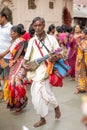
(73, 40)
(18, 47)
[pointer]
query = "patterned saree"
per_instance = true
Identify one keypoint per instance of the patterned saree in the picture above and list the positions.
(81, 67)
(15, 87)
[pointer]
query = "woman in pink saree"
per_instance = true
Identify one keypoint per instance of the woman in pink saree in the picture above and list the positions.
(72, 50)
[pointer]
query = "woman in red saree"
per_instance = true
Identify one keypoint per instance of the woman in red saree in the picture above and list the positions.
(15, 87)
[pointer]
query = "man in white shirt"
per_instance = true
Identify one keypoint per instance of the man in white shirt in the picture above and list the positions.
(5, 42)
(41, 90)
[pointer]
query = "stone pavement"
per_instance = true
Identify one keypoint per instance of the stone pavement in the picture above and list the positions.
(70, 105)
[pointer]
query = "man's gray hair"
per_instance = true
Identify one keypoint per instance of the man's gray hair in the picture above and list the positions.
(38, 19)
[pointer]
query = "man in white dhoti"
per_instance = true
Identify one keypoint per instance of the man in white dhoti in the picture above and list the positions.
(41, 90)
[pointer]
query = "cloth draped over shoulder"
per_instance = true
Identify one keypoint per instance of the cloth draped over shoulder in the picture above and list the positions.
(17, 54)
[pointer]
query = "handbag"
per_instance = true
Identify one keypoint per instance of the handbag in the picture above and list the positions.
(62, 68)
(55, 80)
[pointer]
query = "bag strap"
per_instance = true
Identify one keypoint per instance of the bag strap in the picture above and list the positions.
(40, 51)
(45, 46)
(39, 48)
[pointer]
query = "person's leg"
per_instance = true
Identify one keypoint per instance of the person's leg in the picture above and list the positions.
(1, 92)
(5, 80)
(39, 101)
(52, 100)
(1, 83)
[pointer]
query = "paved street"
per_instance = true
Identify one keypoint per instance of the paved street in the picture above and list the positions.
(70, 105)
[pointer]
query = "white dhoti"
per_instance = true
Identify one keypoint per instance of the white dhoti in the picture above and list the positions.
(42, 95)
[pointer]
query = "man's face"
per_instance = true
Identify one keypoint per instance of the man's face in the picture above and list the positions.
(39, 27)
(1, 20)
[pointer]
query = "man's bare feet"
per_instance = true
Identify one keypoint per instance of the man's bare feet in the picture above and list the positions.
(57, 112)
(40, 123)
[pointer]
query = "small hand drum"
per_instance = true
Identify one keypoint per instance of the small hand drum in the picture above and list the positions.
(33, 65)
